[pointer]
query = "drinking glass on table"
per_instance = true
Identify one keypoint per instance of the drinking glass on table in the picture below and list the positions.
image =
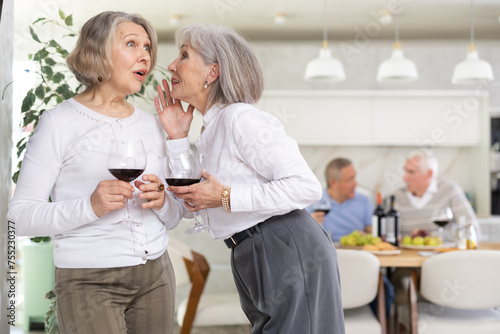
(126, 161)
(441, 217)
(184, 169)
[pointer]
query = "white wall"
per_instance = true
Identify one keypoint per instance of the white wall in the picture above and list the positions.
(6, 54)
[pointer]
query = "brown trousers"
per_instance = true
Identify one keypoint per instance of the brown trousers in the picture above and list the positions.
(133, 300)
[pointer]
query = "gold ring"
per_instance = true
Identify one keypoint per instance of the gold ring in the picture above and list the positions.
(161, 187)
(186, 198)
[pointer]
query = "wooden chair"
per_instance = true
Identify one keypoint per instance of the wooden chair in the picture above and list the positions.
(198, 309)
(459, 294)
(361, 280)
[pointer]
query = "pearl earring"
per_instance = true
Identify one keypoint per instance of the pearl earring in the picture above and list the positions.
(206, 85)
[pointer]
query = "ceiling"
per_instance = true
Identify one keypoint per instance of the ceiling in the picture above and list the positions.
(347, 19)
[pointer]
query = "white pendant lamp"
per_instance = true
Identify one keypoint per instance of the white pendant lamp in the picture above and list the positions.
(472, 70)
(325, 68)
(397, 69)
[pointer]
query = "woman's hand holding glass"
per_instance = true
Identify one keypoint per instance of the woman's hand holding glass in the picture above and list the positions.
(203, 195)
(153, 192)
(184, 169)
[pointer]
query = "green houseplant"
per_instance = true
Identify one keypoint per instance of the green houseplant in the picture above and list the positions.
(56, 84)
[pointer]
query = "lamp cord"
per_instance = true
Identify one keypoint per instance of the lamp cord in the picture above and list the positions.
(397, 29)
(325, 34)
(472, 21)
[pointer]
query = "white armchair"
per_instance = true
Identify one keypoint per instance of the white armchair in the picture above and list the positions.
(461, 292)
(200, 309)
(361, 280)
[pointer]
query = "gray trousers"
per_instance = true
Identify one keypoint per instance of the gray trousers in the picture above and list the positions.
(287, 277)
(134, 300)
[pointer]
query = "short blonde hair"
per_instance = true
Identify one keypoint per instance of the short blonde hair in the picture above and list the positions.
(91, 57)
(240, 75)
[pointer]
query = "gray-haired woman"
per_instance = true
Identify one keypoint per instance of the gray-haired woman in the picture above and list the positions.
(111, 276)
(256, 185)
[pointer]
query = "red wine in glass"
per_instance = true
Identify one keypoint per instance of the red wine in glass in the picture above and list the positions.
(181, 182)
(124, 174)
(441, 217)
(441, 223)
(184, 169)
(323, 210)
(126, 162)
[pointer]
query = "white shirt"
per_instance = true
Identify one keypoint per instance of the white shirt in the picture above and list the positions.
(249, 151)
(420, 202)
(66, 159)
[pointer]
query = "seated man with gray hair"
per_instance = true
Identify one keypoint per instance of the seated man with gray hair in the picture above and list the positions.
(424, 193)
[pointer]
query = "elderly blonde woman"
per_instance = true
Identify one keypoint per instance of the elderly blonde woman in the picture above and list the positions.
(111, 276)
(256, 185)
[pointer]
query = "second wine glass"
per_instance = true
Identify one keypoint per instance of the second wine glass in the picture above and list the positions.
(441, 217)
(184, 169)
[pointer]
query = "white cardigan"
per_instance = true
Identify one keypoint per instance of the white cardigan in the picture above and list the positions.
(66, 159)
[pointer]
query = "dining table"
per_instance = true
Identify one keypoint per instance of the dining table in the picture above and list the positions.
(410, 258)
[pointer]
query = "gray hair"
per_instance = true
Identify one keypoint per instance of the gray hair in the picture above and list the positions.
(334, 169)
(426, 161)
(91, 57)
(240, 75)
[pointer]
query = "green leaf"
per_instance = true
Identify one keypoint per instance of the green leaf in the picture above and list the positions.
(41, 54)
(61, 14)
(34, 35)
(21, 142)
(54, 44)
(40, 239)
(28, 101)
(48, 98)
(58, 77)
(63, 52)
(49, 61)
(47, 70)
(20, 149)
(40, 92)
(39, 20)
(15, 177)
(69, 20)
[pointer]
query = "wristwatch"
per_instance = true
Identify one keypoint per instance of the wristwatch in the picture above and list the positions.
(226, 192)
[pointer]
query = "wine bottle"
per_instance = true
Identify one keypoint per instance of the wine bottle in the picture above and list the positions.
(378, 219)
(392, 224)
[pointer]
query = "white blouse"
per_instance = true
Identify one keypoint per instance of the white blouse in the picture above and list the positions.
(248, 150)
(66, 159)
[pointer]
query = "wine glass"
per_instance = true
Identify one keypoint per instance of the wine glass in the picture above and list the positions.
(184, 169)
(441, 217)
(323, 205)
(126, 161)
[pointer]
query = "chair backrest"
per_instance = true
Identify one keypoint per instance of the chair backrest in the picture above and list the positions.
(178, 252)
(190, 268)
(462, 279)
(359, 277)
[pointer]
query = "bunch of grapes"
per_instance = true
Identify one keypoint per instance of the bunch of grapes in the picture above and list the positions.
(358, 238)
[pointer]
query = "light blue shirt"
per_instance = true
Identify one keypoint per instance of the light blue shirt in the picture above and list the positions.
(348, 216)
